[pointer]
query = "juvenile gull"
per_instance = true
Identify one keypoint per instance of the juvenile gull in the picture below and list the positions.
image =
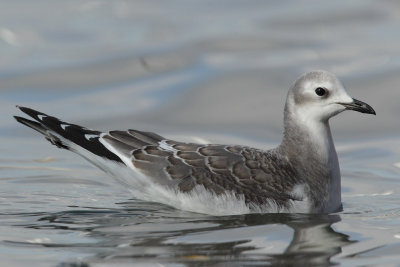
(301, 175)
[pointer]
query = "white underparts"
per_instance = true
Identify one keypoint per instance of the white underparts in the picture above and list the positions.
(303, 204)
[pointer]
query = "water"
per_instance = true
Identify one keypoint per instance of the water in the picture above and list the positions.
(200, 71)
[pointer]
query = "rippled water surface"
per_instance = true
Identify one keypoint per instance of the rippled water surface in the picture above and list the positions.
(203, 71)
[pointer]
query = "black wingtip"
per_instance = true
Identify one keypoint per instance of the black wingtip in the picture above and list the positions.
(20, 107)
(31, 112)
(32, 124)
(17, 118)
(53, 130)
(22, 120)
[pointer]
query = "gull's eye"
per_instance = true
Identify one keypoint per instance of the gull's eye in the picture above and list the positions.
(320, 91)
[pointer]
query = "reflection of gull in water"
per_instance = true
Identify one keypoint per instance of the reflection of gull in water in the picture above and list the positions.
(314, 241)
(300, 175)
(135, 231)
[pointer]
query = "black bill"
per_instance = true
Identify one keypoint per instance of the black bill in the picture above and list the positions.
(359, 106)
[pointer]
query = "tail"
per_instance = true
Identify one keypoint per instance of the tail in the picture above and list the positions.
(66, 135)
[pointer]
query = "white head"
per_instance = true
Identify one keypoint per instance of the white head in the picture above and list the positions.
(318, 96)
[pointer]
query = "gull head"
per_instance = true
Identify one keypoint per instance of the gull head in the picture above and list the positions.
(318, 96)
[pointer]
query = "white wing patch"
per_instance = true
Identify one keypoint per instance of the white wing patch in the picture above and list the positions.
(40, 117)
(64, 126)
(89, 136)
(163, 145)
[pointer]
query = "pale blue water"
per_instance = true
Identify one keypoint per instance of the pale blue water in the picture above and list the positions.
(214, 71)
